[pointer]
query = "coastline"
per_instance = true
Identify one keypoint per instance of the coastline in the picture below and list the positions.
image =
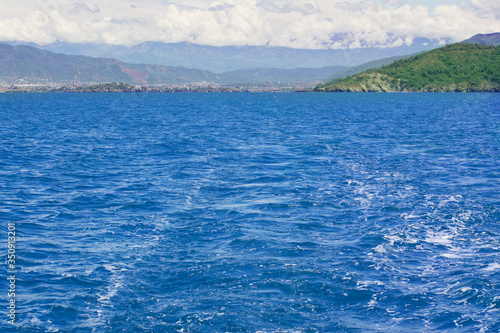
(125, 88)
(213, 89)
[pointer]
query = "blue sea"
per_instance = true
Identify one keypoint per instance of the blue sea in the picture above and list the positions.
(264, 212)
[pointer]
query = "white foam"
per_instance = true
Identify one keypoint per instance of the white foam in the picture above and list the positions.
(111, 292)
(492, 267)
(407, 216)
(440, 238)
(364, 284)
(457, 252)
(451, 198)
(110, 267)
(451, 255)
(381, 249)
(397, 239)
(354, 182)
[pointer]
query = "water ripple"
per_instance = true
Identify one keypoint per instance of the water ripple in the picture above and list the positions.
(253, 212)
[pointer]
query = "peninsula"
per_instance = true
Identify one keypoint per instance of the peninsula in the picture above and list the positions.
(461, 67)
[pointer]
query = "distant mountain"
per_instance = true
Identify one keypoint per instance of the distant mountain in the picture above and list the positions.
(220, 59)
(486, 39)
(29, 63)
(88, 49)
(457, 67)
(262, 75)
(21, 62)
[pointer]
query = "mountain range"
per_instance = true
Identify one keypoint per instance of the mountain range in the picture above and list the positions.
(178, 63)
(33, 65)
(219, 59)
(29, 64)
(484, 39)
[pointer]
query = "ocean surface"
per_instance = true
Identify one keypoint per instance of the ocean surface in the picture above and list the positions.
(291, 212)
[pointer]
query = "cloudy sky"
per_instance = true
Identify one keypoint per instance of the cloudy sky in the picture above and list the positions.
(291, 23)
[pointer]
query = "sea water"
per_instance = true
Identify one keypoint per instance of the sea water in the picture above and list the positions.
(233, 212)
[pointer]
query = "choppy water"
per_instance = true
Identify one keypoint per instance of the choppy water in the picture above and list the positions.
(252, 212)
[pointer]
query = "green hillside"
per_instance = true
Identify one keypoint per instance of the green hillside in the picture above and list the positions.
(454, 68)
(364, 67)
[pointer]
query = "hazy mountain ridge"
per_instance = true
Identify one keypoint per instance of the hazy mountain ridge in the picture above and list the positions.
(26, 62)
(485, 39)
(219, 59)
(33, 65)
(259, 75)
(228, 58)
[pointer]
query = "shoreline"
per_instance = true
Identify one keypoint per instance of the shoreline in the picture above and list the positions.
(126, 88)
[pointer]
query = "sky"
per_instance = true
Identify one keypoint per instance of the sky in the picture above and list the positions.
(310, 24)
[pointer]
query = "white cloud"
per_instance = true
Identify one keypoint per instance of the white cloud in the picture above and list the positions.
(284, 6)
(487, 7)
(292, 23)
(392, 2)
(78, 7)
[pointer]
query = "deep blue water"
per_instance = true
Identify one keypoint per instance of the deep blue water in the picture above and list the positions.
(294, 212)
